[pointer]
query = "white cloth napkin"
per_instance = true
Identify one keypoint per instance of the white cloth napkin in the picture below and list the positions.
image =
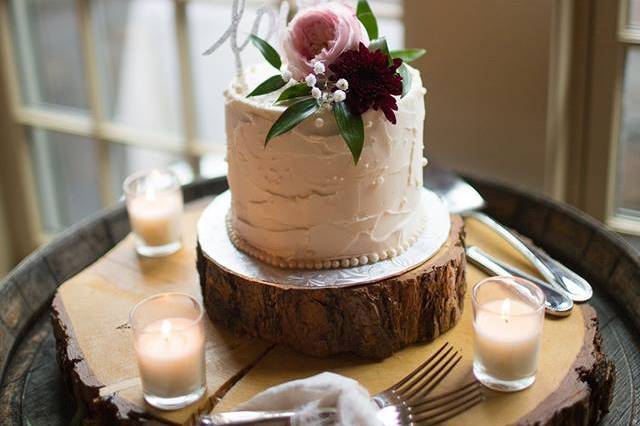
(326, 390)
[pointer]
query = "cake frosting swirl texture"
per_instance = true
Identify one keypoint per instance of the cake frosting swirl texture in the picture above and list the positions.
(302, 202)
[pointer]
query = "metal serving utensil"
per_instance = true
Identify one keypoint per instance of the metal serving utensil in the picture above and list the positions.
(404, 403)
(461, 198)
(556, 303)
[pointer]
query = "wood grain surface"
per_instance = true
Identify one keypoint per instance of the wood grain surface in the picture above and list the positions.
(96, 354)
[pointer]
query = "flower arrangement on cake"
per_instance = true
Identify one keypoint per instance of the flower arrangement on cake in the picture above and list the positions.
(334, 59)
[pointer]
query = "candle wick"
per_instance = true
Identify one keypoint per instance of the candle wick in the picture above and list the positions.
(505, 310)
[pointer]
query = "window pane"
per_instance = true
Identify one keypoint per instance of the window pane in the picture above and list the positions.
(628, 190)
(49, 53)
(139, 63)
(212, 74)
(68, 182)
(634, 13)
(389, 14)
(65, 171)
(213, 165)
(126, 159)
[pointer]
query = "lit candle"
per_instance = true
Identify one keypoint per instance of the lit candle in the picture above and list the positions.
(508, 319)
(154, 203)
(169, 346)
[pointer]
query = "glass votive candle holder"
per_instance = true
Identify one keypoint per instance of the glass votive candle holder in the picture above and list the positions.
(169, 341)
(508, 314)
(155, 206)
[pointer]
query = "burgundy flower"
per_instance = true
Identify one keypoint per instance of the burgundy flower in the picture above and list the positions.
(373, 83)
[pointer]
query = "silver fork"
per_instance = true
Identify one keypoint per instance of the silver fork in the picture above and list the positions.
(399, 398)
(421, 381)
(434, 410)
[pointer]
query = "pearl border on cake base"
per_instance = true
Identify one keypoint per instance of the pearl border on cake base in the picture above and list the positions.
(341, 262)
(216, 246)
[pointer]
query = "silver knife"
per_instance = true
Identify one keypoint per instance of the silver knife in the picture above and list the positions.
(556, 303)
(248, 418)
(462, 198)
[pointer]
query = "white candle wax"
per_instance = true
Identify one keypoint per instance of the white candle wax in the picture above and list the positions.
(155, 218)
(507, 338)
(170, 356)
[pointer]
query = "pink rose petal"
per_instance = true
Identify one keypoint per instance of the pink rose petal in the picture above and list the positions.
(321, 33)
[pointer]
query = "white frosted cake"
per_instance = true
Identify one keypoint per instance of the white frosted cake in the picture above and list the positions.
(302, 203)
(324, 142)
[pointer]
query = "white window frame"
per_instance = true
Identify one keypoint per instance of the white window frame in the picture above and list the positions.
(627, 37)
(600, 41)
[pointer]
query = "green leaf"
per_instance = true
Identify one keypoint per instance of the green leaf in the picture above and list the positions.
(269, 85)
(370, 24)
(408, 55)
(368, 19)
(381, 44)
(291, 117)
(269, 53)
(351, 129)
(296, 91)
(406, 79)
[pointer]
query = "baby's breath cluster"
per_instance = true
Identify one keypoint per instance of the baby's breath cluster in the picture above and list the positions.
(325, 91)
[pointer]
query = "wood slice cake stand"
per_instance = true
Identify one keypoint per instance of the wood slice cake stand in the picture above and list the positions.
(372, 320)
(95, 346)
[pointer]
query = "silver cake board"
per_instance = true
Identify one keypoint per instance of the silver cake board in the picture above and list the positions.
(218, 248)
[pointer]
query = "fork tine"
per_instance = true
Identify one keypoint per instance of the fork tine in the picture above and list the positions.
(409, 388)
(417, 370)
(447, 412)
(446, 398)
(471, 384)
(426, 386)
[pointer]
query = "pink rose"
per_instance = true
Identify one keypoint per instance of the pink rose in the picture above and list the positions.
(321, 33)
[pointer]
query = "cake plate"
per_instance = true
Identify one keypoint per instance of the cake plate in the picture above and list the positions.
(371, 310)
(217, 247)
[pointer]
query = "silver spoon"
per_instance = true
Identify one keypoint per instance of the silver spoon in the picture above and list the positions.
(556, 303)
(576, 287)
(462, 198)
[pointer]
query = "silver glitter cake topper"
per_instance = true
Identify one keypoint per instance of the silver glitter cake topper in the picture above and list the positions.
(275, 20)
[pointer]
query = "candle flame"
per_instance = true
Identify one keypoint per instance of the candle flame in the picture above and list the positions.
(505, 309)
(150, 194)
(151, 183)
(165, 328)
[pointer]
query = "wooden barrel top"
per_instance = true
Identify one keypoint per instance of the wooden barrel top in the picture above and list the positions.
(32, 389)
